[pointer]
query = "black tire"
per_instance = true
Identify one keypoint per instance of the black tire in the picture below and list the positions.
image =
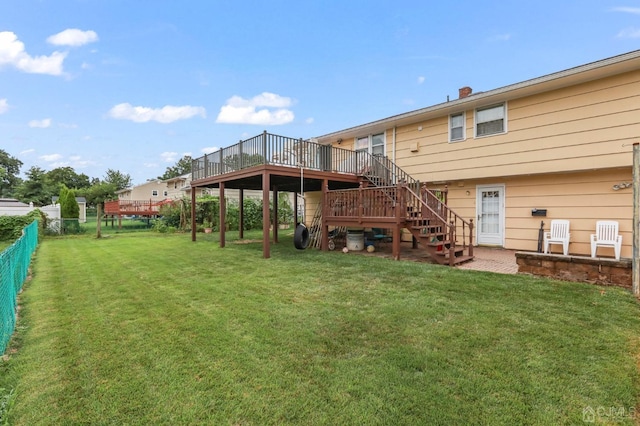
(301, 237)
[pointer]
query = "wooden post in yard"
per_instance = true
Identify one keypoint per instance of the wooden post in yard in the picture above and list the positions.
(99, 221)
(275, 214)
(193, 213)
(635, 271)
(223, 216)
(266, 178)
(241, 213)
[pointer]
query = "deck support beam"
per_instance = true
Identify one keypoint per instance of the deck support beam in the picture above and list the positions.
(241, 213)
(275, 215)
(265, 215)
(324, 243)
(193, 213)
(223, 215)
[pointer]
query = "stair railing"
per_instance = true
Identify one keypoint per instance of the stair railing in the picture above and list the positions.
(434, 208)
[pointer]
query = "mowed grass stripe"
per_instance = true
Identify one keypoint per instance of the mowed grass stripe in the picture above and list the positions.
(156, 329)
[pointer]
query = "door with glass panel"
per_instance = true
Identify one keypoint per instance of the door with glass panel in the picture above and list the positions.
(371, 144)
(490, 209)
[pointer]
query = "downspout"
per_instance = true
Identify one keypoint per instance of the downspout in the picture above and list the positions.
(393, 147)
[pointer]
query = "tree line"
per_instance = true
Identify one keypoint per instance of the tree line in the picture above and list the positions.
(39, 186)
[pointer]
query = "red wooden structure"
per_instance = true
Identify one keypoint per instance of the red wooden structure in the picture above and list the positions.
(358, 190)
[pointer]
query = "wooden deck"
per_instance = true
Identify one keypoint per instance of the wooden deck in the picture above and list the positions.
(358, 190)
(133, 207)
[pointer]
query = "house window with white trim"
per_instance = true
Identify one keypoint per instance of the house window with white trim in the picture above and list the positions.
(165, 193)
(456, 127)
(373, 144)
(154, 193)
(491, 120)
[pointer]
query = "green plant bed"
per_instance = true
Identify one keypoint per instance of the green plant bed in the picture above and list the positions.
(153, 328)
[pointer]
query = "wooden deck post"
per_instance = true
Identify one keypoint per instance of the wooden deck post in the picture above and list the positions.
(324, 243)
(397, 227)
(275, 215)
(223, 215)
(241, 214)
(395, 244)
(452, 244)
(265, 215)
(193, 213)
(471, 237)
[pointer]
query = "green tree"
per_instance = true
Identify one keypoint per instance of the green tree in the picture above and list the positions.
(98, 193)
(34, 188)
(119, 179)
(10, 169)
(68, 177)
(69, 208)
(239, 162)
(182, 167)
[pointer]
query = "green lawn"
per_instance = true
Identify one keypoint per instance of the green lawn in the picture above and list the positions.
(146, 328)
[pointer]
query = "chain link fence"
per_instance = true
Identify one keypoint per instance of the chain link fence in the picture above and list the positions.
(14, 266)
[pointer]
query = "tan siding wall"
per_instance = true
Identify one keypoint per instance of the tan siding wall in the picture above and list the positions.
(583, 127)
(311, 202)
(583, 198)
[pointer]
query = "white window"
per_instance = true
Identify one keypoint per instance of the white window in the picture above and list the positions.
(491, 120)
(456, 127)
(154, 193)
(373, 144)
(165, 193)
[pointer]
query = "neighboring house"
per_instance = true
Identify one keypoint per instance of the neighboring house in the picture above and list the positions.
(82, 204)
(174, 189)
(152, 190)
(561, 143)
(13, 207)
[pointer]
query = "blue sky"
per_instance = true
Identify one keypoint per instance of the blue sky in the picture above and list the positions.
(133, 85)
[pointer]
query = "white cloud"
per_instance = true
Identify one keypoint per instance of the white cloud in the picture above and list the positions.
(12, 53)
(246, 111)
(309, 120)
(169, 157)
(150, 165)
(41, 124)
(634, 10)
(51, 157)
(27, 151)
(4, 106)
(73, 37)
(209, 149)
(421, 79)
(166, 114)
(629, 33)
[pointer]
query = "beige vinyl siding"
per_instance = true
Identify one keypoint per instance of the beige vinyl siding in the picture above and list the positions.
(311, 202)
(582, 127)
(583, 198)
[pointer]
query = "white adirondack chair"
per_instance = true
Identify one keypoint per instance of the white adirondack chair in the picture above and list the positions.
(559, 234)
(606, 236)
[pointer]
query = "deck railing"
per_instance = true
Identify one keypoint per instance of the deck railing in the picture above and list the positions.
(361, 203)
(133, 207)
(397, 203)
(267, 148)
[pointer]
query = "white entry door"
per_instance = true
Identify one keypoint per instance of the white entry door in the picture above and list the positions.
(490, 213)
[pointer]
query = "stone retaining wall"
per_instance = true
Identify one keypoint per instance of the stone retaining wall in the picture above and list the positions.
(599, 270)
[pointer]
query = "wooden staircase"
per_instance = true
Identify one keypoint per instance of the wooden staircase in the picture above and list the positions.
(446, 236)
